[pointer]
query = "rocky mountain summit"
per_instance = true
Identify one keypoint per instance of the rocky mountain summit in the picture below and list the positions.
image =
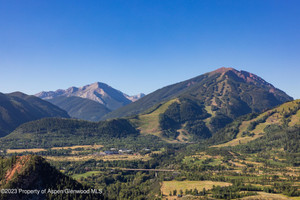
(99, 92)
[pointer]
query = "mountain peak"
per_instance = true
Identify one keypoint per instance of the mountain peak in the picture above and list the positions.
(222, 70)
(224, 89)
(242, 75)
(99, 92)
(97, 85)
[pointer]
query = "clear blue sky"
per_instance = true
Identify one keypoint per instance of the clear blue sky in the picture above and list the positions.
(140, 46)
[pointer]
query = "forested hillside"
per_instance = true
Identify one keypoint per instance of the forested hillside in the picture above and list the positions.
(233, 93)
(80, 108)
(20, 175)
(51, 132)
(18, 108)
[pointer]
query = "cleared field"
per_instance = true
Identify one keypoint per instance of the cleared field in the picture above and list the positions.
(295, 119)
(85, 175)
(267, 196)
(169, 186)
(104, 158)
(96, 146)
(24, 150)
(149, 123)
(183, 135)
(209, 111)
(198, 159)
(237, 141)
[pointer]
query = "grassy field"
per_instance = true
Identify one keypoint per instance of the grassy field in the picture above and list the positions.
(169, 186)
(85, 175)
(24, 150)
(237, 141)
(295, 119)
(104, 158)
(268, 196)
(95, 146)
(200, 158)
(149, 123)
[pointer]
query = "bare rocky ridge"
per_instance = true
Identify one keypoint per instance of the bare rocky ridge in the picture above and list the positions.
(99, 92)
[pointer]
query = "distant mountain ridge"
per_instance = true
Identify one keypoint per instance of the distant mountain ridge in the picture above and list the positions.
(17, 108)
(99, 92)
(186, 111)
(213, 89)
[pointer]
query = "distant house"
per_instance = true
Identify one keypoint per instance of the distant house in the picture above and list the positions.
(125, 151)
(110, 152)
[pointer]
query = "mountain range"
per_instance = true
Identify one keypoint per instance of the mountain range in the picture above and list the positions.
(186, 111)
(90, 102)
(99, 92)
(227, 121)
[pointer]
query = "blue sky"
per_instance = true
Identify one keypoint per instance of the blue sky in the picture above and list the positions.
(140, 46)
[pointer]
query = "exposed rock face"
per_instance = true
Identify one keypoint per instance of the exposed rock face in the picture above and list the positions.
(135, 97)
(250, 78)
(99, 92)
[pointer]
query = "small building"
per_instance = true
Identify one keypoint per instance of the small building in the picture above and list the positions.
(110, 152)
(125, 151)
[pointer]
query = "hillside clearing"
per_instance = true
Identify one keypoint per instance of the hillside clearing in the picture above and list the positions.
(25, 150)
(94, 157)
(169, 186)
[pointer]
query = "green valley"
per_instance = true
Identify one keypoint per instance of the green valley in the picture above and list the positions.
(223, 135)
